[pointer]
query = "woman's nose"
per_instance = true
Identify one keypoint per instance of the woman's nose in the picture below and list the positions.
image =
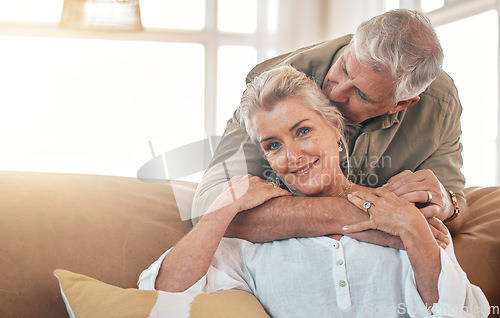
(294, 153)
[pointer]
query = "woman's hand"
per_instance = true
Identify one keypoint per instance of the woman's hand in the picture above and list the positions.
(246, 192)
(388, 213)
(394, 215)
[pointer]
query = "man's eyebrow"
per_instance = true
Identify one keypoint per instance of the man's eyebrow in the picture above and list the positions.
(292, 128)
(344, 68)
(364, 96)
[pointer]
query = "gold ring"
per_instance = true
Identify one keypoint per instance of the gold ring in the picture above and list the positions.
(429, 197)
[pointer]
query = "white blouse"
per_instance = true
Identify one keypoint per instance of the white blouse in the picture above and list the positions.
(323, 277)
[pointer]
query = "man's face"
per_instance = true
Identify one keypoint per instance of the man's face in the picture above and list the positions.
(359, 92)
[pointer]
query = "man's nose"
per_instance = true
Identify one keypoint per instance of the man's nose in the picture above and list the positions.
(339, 92)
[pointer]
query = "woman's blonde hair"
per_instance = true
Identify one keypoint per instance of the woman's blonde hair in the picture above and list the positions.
(280, 83)
(283, 82)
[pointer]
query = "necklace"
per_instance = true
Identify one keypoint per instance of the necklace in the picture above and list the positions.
(346, 190)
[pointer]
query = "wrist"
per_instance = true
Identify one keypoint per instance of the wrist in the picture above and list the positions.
(415, 228)
(222, 214)
(455, 209)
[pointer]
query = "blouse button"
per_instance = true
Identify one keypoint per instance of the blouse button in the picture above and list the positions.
(337, 245)
(340, 262)
(342, 283)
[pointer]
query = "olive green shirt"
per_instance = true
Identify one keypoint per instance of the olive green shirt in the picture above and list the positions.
(424, 136)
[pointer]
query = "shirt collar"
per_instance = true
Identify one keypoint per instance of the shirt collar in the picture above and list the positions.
(384, 121)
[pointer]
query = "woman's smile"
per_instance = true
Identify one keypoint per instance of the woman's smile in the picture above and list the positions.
(306, 169)
(300, 145)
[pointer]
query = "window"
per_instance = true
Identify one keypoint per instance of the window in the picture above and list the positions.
(430, 5)
(474, 69)
(92, 103)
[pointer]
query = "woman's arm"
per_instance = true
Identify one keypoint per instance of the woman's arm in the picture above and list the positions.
(397, 216)
(190, 258)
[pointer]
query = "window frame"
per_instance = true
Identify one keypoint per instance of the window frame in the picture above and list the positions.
(454, 10)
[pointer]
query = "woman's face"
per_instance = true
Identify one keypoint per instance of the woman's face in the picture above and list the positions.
(300, 146)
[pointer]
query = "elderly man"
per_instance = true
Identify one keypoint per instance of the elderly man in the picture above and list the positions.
(403, 133)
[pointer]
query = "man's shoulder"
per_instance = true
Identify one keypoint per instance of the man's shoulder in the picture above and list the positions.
(439, 106)
(442, 93)
(313, 60)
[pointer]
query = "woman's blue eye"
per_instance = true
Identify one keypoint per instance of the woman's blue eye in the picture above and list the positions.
(303, 131)
(273, 146)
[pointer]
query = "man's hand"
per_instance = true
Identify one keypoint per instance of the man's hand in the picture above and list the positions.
(383, 218)
(416, 186)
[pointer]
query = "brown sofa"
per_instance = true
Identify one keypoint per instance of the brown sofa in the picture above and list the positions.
(111, 228)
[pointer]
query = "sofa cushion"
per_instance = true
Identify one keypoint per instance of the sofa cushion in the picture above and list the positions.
(86, 297)
(110, 228)
(477, 243)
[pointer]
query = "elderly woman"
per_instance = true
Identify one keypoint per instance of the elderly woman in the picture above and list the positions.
(294, 124)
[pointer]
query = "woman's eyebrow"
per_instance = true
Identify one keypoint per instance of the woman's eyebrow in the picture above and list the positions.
(266, 139)
(291, 129)
(298, 124)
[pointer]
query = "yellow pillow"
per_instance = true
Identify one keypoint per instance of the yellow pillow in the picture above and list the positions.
(88, 297)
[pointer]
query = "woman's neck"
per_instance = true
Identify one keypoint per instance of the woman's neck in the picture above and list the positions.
(339, 187)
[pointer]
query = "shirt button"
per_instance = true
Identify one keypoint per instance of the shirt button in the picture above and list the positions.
(340, 262)
(337, 245)
(342, 283)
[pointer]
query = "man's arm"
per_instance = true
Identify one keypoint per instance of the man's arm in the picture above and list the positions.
(280, 218)
(288, 217)
(440, 171)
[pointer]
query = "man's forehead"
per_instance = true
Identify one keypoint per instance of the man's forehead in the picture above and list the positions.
(377, 86)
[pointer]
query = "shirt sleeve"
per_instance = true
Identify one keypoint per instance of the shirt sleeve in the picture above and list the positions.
(446, 162)
(237, 154)
(458, 298)
(224, 272)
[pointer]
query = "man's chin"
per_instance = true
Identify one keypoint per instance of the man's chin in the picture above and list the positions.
(351, 121)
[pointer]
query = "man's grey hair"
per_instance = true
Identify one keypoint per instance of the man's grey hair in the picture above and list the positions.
(403, 45)
(277, 84)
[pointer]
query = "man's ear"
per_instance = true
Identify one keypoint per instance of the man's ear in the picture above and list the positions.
(404, 104)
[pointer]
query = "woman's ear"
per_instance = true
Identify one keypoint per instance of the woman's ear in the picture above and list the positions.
(339, 130)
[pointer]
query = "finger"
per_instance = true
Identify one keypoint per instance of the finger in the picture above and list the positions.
(418, 196)
(431, 210)
(359, 227)
(440, 237)
(368, 197)
(278, 192)
(357, 201)
(438, 225)
(408, 186)
(396, 180)
(419, 180)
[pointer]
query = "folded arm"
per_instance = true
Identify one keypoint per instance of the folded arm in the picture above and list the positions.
(287, 217)
(279, 218)
(190, 258)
